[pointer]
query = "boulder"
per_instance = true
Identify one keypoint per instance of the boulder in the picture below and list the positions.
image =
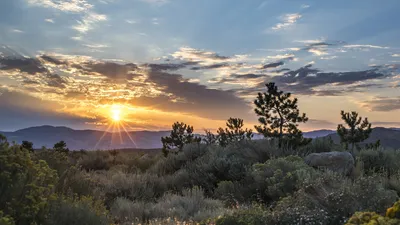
(341, 162)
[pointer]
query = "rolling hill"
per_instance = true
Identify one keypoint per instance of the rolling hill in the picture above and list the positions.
(93, 139)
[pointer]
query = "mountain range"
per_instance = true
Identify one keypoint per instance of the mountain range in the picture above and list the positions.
(93, 139)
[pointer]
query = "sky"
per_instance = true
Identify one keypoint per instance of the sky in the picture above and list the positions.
(77, 63)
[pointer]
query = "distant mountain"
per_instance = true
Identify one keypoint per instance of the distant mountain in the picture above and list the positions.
(390, 138)
(93, 139)
(318, 133)
(87, 139)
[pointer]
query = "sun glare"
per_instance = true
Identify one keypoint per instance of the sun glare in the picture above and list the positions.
(116, 113)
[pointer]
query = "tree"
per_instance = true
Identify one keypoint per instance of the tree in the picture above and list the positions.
(181, 134)
(26, 185)
(3, 139)
(27, 145)
(358, 129)
(61, 146)
(279, 116)
(209, 138)
(234, 132)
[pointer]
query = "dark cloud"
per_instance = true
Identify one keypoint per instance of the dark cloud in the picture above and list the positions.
(196, 99)
(111, 70)
(273, 65)
(55, 80)
(170, 66)
(51, 59)
(27, 65)
(383, 104)
(247, 76)
(214, 66)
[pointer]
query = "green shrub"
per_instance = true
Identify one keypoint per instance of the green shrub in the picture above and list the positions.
(25, 185)
(253, 216)
(96, 160)
(76, 211)
(332, 199)
(191, 205)
(379, 160)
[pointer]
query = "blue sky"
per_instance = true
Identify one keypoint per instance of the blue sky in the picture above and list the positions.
(351, 48)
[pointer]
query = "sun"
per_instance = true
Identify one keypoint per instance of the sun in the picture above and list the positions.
(116, 113)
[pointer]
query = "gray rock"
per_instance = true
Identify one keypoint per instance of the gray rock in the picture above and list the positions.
(341, 162)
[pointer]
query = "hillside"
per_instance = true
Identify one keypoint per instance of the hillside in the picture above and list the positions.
(390, 137)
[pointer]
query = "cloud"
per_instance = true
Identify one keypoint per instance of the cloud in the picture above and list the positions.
(396, 55)
(156, 2)
(17, 31)
(363, 47)
(88, 21)
(287, 21)
(28, 65)
(191, 54)
(305, 6)
(49, 20)
(89, 17)
(272, 65)
(285, 56)
(382, 104)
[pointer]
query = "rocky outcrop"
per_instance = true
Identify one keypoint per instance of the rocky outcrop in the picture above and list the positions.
(340, 162)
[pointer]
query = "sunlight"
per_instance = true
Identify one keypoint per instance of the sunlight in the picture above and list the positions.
(116, 113)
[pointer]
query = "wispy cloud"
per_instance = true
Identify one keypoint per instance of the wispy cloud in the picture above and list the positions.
(88, 21)
(66, 6)
(89, 17)
(17, 31)
(305, 6)
(287, 21)
(49, 20)
(156, 2)
(396, 55)
(365, 47)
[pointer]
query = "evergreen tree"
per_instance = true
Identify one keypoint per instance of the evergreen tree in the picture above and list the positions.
(181, 134)
(358, 129)
(27, 145)
(61, 146)
(209, 138)
(279, 116)
(234, 132)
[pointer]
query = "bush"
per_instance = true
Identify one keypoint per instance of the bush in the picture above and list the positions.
(70, 211)
(253, 216)
(379, 160)
(135, 187)
(192, 205)
(391, 218)
(97, 160)
(25, 185)
(332, 199)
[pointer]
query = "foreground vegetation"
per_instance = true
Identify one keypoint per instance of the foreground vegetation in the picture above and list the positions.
(246, 182)
(223, 179)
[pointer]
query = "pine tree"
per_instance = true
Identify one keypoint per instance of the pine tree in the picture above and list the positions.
(27, 145)
(279, 116)
(209, 138)
(181, 134)
(234, 132)
(358, 129)
(61, 146)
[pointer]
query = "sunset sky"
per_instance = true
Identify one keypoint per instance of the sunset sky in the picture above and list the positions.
(74, 62)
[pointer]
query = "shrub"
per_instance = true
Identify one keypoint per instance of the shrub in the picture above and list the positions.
(192, 205)
(332, 199)
(135, 187)
(70, 211)
(97, 160)
(391, 218)
(125, 211)
(253, 216)
(25, 185)
(379, 160)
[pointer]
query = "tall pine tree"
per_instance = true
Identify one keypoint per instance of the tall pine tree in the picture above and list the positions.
(181, 134)
(234, 132)
(279, 116)
(358, 129)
